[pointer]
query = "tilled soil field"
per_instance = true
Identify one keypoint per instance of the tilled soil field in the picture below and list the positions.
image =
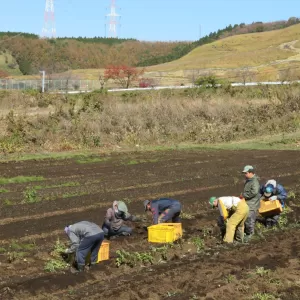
(39, 198)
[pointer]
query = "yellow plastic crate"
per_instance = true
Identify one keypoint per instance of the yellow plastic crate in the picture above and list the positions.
(164, 233)
(103, 253)
(270, 207)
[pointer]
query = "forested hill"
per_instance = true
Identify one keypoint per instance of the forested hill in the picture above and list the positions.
(30, 53)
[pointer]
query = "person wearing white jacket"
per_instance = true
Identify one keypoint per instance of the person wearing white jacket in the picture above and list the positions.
(234, 211)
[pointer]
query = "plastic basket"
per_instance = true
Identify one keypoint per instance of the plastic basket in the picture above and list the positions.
(164, 233)
(270, 207)
(103, 253)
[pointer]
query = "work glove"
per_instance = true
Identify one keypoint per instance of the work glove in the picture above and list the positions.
(68, 251)
(273, 198)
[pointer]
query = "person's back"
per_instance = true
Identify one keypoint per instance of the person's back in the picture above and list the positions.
(164, 209)
(85, 229)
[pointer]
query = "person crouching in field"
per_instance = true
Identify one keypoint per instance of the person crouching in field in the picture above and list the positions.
(114, 219)
(86, 237)
(272, 191)
(164, 210)
(233, 215)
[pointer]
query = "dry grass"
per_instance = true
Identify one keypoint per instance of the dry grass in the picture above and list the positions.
(150, 118)
(250, 49)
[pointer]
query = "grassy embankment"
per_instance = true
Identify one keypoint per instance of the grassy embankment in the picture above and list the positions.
(231, 118)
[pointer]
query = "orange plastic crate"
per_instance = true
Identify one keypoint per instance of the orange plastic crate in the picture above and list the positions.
(103, 253)
(164, 233)
(270, 207)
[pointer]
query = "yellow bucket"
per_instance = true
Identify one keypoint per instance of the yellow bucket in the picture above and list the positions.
(103, 253)
(164, 233)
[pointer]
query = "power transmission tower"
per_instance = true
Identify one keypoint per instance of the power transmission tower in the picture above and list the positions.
(113, 19)
(49, 30)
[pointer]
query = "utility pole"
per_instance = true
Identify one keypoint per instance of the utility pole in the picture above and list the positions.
(43, 81)
(113, 19)
(49, 30)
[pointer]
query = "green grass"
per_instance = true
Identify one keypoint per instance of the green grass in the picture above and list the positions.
(274, 142)
(5, 60)
(140, 161)
(15, 246)
(4, 191)
(20, 179)
(91, 160)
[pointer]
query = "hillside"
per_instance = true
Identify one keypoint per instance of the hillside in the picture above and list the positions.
(33, 54)
(267, 55)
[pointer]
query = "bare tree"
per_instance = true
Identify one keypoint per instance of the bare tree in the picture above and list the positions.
(246, 75)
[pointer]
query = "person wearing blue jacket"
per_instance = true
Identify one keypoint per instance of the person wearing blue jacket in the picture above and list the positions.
(271, 191)
(164, 210)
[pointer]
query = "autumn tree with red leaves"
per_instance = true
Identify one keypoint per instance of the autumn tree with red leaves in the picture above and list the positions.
(124, 75)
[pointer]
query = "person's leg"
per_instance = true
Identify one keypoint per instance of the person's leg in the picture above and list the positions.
(222, 226)
(234, 221)
(98, 239)
(272, 220)
(105, 230)
(250, 223)
(241, 227)
(124, 230)
(82, 252)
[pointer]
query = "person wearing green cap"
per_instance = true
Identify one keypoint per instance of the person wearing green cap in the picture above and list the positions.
(114, 219)
(252, 196)
(233, 214)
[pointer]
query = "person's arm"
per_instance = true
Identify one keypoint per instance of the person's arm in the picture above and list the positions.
(75, 241)
(132, 218)
(108, 218)
(155, 212)
(282, 194)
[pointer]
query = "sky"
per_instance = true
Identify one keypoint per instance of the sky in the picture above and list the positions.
(148, 20)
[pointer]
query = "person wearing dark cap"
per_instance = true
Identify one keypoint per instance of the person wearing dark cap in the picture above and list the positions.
(85, 237)
(164, 210)
(272, 191)
(252, 196)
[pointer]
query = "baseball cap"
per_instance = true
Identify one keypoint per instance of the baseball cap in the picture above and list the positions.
(248, 168)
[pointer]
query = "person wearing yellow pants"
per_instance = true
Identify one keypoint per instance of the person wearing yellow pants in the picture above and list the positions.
(234, 211)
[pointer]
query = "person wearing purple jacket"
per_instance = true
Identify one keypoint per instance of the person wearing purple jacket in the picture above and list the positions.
(164, 210)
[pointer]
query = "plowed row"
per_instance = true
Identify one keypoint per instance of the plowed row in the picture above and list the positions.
(73, 191)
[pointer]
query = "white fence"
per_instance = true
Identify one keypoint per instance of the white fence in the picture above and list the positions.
(82, 86)
(50, 85)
